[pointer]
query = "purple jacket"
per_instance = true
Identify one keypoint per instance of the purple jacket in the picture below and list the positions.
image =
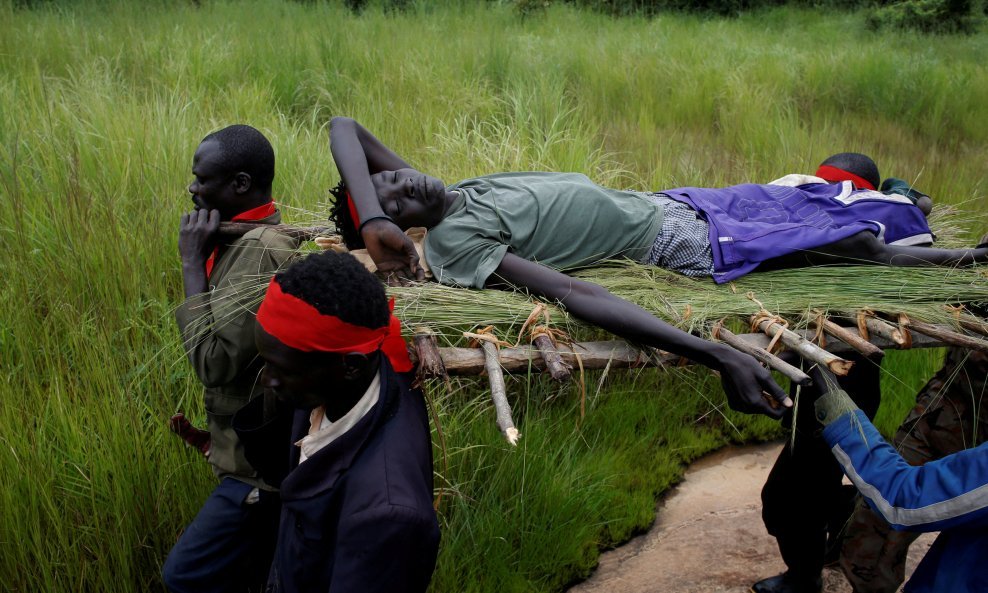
(753, 223)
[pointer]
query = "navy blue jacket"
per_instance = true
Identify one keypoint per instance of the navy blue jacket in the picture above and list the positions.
(357, 516)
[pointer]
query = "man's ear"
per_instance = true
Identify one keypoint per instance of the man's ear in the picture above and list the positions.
(242, 182)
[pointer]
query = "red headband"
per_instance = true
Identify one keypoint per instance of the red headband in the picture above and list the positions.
(353, 211)
(297, 324)
(835, 174)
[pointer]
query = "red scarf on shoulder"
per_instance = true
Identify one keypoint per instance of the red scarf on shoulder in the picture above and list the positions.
(253, 215)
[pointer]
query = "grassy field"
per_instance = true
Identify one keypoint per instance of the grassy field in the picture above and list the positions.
(102, 105)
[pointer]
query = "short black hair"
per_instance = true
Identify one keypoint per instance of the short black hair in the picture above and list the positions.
(337, 284)
(340, 216)
(861, 165)
(244, 148)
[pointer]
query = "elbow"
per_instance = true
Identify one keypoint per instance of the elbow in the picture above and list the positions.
(589, 290)
(576, 292)
(340, 124)
(338, 121)
(212, 380)
(214, 375)
(868, 247)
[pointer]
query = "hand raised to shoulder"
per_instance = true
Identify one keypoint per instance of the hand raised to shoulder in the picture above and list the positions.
(390, 248)
(197, 235)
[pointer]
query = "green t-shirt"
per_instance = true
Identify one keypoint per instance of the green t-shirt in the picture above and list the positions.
(560, 220)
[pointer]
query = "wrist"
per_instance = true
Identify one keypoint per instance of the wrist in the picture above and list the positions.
(374, 218)
(718, 356)
(832, 405)
(193, 263)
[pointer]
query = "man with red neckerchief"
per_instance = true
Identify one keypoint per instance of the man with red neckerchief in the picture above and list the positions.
(349, 441)
(229, 544)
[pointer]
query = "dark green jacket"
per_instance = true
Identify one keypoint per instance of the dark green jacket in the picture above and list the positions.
(218, 333)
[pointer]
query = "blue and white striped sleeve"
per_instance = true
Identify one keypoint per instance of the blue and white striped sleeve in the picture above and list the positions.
(946, 493)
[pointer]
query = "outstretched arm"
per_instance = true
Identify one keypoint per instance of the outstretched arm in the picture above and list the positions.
(866, 248)
(358, 155)
(743, 378)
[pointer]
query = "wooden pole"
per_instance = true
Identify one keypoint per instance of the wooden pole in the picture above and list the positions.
(973, 324)
(558, 370)
(850, 338)
(498, 393)
(806, 349)
(884, 329)
(613, 354)
(948, 337)
(239, 229)
(430, 361)
(719, 332)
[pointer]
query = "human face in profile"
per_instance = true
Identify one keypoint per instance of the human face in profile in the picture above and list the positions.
(411, 198)
(302, 379)
(307, 380)
(214, 186)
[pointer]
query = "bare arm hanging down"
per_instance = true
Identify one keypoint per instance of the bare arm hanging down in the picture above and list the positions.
(742, 377)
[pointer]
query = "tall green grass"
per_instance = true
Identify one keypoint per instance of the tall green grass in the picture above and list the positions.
(102, 104)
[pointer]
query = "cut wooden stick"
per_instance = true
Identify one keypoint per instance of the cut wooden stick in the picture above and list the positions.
(907, 335)
(719, 332)
(498, 393)
(850, 338)
(239, 229)
(558, 370)
(947, 336)
(430, 361)
(884, 329)
(808, 350)
(973, 324)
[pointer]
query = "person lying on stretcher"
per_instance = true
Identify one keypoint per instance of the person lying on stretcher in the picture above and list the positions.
(525, 229)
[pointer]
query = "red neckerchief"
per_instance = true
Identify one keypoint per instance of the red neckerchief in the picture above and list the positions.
(299, 325)
(253, 215)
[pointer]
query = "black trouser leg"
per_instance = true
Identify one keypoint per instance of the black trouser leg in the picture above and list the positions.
(804, 486)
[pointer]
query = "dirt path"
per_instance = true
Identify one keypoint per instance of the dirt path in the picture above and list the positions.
(708, 536)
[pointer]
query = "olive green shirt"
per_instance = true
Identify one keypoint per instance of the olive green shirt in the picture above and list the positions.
(560, 220)
(218, 334)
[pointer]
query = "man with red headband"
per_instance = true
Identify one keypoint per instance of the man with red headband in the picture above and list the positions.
(804, 504)
(862, 172)
(229, 544)
(357, 511)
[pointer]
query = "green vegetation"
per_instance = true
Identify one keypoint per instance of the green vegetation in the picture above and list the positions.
(931, 16)
(100, 111)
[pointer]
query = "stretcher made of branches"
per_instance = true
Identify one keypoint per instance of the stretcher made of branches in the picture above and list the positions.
(540, 347)
(823, 342)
